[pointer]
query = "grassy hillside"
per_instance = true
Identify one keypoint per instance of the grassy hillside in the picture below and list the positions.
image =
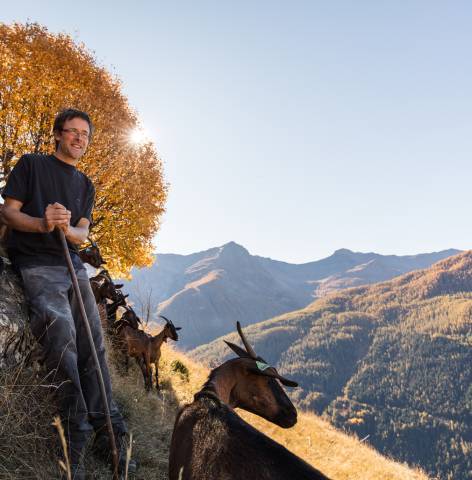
(29, 447)
(391, 360)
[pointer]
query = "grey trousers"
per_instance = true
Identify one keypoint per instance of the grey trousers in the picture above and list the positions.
(56, 323)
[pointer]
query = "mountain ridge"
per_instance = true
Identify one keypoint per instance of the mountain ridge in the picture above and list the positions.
(206, 292)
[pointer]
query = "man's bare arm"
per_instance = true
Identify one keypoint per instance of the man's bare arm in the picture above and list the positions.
(56, 215)
(11, 216)
(78, 234)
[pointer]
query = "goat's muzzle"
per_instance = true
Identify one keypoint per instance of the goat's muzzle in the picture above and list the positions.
(286, 418)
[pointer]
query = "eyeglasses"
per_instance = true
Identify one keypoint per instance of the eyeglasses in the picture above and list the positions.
(73, 131)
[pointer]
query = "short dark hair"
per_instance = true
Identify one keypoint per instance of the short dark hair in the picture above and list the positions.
(69, 114)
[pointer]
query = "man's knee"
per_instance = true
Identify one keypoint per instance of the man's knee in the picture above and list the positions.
(51, 321)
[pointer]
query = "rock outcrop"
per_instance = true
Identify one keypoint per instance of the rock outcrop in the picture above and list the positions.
(16, 339)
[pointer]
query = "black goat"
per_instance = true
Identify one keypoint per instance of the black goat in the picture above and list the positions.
(103, 287)
(92, 255)
(112, 308)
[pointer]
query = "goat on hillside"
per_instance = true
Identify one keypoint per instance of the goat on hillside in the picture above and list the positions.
(130, 340)
(112, 308)
(103, 290)
(210, 441)
(103, 287)
(92, 255)
(155, 343)
(146, 349)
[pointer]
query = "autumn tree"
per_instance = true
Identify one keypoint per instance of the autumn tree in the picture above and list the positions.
(40, 74)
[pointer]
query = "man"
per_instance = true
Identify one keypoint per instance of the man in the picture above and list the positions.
(45, 193)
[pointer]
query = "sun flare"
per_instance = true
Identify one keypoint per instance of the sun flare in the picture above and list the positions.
(138, 136)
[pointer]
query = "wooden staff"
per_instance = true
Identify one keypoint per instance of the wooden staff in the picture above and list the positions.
(103, 393)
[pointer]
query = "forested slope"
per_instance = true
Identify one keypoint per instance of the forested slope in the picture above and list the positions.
(391, 360)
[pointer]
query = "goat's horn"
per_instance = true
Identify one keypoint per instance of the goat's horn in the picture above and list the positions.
(166, 319)
(240, 352)
(249, 349)
(91, 242)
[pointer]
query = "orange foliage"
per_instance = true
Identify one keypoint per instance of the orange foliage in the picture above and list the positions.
(42, 73)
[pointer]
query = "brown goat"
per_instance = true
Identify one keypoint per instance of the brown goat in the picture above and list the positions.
(146, 349)
(210, 441)
(155, 343)
(133, 342)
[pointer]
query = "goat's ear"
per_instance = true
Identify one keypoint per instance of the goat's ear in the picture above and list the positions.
(126, 296)
(286, 381)
(265, 369)
(237, 350)
(119, 285)
(178, 328)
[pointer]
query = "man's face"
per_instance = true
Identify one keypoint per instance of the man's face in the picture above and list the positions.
(74, 138)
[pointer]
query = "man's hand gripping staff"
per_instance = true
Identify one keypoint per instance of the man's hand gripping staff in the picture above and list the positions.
(56, 215)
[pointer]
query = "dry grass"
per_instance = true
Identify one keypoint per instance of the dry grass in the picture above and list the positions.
(30, 448)
(336, 454)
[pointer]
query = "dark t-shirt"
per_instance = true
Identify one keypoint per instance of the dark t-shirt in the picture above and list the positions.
(37, 181)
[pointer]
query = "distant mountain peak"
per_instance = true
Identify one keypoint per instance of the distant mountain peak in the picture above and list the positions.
(233, 248)
(232, 244)
(343, 251)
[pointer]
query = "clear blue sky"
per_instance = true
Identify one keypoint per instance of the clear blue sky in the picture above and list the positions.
(295, 128)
